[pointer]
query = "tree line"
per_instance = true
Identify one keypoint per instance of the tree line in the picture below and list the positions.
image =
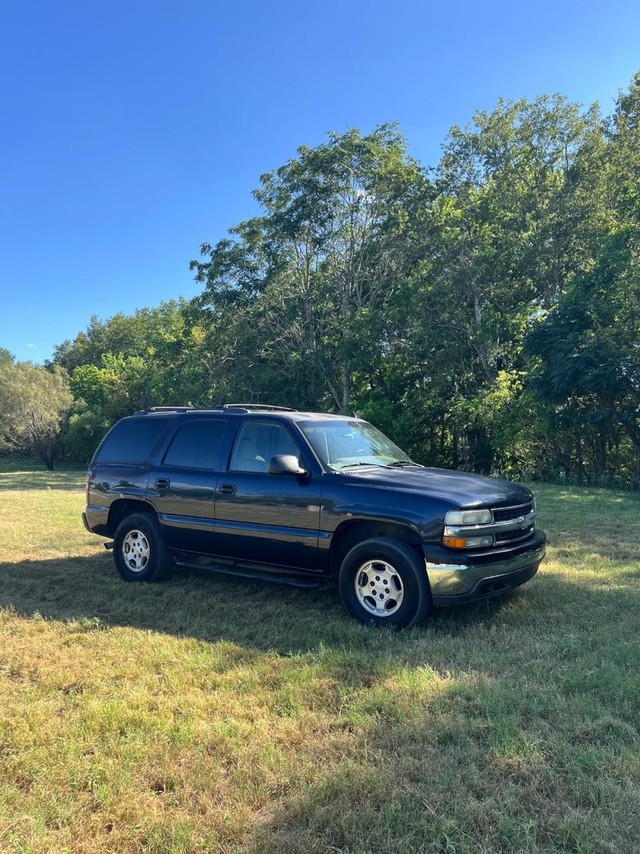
(485, 313)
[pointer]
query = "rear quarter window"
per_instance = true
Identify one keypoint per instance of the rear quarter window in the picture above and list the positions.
(131, 440)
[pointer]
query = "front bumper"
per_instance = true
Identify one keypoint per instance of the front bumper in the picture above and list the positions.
(458, 583)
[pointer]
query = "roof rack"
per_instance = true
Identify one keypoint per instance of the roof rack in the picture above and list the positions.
(234, 407)
(165, 409)
(251, 407)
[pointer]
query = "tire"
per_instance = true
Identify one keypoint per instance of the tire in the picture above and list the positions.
(139, 550)
(383, 582)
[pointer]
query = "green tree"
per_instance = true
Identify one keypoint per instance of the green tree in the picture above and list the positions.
(153, 357)
(6, 357)
(34, 403)
(310, 279)
(587, 353)
(516, 203)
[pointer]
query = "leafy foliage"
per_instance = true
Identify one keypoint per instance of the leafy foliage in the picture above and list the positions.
(34, 403)
(306, 286)
(128, 363)
(483, 313)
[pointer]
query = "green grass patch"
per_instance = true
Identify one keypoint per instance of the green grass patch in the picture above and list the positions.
(216, 715)
(18, 472)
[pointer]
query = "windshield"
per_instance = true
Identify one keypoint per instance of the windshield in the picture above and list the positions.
(348, 444)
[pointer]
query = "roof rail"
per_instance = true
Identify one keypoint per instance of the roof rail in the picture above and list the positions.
(236, 407)
(166, 409)
(250, 407)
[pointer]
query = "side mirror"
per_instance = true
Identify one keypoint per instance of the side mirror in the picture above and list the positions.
(285, 464)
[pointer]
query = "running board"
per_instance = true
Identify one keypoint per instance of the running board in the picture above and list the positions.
(241, 571)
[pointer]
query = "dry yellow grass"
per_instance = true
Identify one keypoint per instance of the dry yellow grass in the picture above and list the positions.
(214, 715)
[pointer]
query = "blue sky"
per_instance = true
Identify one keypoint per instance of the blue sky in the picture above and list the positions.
(132, 132)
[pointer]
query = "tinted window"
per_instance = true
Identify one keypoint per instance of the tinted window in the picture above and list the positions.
(196, 445)
(257, 442)
(131, 440)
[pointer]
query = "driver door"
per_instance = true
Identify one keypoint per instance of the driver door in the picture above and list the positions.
(266, 518)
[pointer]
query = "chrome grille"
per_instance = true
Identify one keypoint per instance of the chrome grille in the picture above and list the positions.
(504, 514)
(511, 536)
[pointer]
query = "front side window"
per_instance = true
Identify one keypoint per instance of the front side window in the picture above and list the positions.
(257, 442)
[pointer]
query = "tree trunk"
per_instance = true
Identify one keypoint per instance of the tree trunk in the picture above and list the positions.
(478, 346)
(346, 386)
(480, 450)
(601, 455)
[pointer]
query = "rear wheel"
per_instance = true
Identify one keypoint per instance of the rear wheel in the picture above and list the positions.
(383, 582)
(139, 550)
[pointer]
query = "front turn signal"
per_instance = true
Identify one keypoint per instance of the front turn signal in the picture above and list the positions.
(467, 542)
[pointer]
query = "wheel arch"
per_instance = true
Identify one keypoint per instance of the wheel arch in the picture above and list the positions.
(123, 507)
(353, 531)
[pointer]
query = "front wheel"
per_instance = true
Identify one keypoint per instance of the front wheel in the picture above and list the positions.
(383, 582)
(139, 549)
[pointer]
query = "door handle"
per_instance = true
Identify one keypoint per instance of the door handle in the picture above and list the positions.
(163, 483)
(227, 489)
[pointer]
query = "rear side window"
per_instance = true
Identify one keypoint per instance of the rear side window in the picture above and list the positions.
(131, 440)
(196, 445)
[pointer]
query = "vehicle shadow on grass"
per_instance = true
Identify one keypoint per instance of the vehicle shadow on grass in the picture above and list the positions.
(266, 616)
(210, 607)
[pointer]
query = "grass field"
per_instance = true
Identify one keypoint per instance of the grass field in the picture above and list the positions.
(215, 715)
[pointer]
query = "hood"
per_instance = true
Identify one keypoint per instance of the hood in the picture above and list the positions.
(462, 489)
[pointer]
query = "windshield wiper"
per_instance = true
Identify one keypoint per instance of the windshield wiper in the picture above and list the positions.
(402, 463)
(353, 465)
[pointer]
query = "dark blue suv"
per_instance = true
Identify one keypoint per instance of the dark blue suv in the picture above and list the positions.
(306, 498)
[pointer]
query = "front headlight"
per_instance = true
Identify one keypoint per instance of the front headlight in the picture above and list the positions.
(456, 529)
(468, 517)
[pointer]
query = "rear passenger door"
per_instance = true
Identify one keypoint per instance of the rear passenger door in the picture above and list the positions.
(266, 518)
(182, 485)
